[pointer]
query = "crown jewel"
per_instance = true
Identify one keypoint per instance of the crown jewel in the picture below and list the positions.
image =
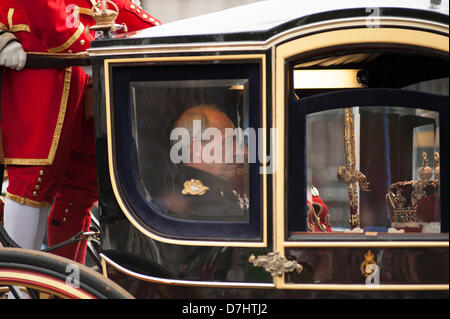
(412, 203)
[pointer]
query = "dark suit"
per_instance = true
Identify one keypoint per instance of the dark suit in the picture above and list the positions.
(207, 197)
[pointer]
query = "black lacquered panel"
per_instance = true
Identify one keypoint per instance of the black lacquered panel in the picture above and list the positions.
(396, 266)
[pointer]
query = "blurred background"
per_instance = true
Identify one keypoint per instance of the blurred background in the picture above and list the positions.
(171, 10)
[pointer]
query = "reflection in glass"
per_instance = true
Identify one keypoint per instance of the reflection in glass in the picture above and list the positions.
(392, 145)
(191, 160)
(404, 266)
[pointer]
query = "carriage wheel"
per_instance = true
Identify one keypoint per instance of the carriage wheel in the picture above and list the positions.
(51, 275)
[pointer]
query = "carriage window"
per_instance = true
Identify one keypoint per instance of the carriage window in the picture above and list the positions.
(436, 86)
(191, 150)
(373, 169)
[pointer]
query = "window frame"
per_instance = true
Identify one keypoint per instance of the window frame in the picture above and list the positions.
(372, 97)
(184, 232)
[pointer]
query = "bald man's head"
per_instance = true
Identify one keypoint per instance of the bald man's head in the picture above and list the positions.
(210, 117)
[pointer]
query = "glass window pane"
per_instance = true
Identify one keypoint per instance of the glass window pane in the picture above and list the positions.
(437, 86)
(373, 169)
(190, 149)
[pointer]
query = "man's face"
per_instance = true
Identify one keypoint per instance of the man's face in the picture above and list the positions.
(226, 168)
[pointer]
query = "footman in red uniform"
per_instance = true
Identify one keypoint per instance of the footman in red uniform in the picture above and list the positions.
(70, 213)
(47, 140)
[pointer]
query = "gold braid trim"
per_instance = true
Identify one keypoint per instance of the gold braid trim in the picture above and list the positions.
(20, 27)
(70, 41)
(17, 27)
(61, 115)
(25, 201)
(57, 133)
(5, 38)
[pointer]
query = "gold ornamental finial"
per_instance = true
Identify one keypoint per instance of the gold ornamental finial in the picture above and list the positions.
(437, 167)
(425, 172)
(104, 17)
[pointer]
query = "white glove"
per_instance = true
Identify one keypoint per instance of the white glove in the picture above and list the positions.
(13, 56)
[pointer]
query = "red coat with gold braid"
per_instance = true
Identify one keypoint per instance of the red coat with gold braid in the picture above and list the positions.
(34, 101)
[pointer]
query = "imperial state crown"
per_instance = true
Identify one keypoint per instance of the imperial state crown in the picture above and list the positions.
(415, 205)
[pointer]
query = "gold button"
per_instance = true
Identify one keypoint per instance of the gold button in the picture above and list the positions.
(34, 193)
(39, 179)
(82, 42)
(70, 204)
(37, 187)
(138, 11)
(151, 19)
(144, 16)
(65, 219)
(66, 211)
(132, 6)
(157, 23)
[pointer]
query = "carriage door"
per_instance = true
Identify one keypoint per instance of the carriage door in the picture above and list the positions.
(366, 169)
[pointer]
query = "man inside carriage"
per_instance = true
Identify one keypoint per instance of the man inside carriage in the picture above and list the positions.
(204, 189)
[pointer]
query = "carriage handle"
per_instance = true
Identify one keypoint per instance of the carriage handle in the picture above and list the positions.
(41, 60)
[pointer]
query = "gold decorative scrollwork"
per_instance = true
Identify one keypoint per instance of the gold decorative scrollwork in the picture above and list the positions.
(194, 187)
(275, 264)
(369, 266)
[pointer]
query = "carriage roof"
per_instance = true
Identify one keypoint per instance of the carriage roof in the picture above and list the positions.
(266, 15)
(262, 20)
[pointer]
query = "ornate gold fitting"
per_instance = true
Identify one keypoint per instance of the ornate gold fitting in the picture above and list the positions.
(315, 219)
(104, 17)
(275, 264)
(425, 172)
(369, 259)
(354, 220)
(194, 187)
(353, 176)
(437, 168)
